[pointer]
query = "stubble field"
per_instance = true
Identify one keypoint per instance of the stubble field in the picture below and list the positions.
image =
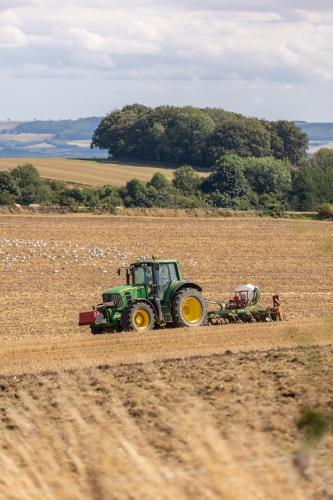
(173, 413)
(88, 172)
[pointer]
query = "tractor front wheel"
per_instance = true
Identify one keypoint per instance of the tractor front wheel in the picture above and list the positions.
(189, 308)
(138, 317)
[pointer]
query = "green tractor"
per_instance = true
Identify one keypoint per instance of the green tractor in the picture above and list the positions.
(155, 295)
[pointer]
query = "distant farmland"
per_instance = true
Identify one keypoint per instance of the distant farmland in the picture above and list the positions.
(89, 172)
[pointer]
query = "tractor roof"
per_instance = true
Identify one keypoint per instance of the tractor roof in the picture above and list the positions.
(155, 261)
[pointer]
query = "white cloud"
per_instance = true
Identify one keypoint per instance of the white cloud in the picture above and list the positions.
(9, 17)
(278, 42)
(87, 40)
(12, 36)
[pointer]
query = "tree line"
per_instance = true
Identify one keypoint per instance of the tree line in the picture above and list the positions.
(198, 137)
(265, 183)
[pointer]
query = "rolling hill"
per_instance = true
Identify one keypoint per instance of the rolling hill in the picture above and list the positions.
(89, 172)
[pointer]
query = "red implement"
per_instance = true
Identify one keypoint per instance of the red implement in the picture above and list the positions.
(88, 317)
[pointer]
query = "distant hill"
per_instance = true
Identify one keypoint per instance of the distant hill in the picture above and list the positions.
(70, 130)
(49, 138)
(89, 172)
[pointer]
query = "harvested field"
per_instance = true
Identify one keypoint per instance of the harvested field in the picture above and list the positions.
(126, 416)
(88, 172)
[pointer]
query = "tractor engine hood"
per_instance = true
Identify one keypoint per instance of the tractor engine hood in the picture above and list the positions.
(116, 297)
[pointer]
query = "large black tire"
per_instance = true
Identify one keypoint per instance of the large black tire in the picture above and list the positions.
(189, 308)
(95, 329)
(139, 317)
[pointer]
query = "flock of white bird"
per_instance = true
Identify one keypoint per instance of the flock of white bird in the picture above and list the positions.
(14, 253)
(17, 251)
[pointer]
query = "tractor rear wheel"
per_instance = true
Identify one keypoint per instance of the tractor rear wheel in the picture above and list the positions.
(189, 308)
(138, 317)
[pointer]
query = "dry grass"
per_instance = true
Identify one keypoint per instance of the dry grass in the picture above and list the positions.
(89, 172)
(177, 429)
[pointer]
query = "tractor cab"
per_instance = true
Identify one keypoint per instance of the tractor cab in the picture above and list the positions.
(156, 275)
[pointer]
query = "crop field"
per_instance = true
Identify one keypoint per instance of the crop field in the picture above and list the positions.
(207, 413)
(88, 172)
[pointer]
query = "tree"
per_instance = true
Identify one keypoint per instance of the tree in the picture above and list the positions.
(267, 175)
(108, 197)
(324, 159)
(312, 186)
(238, 135)
(32, 188)
(8, 184)
(289, 142)
(228, 178)
(159, 181)
(194, 136)
(186, 180)
(136, 194)
(26, 175)
(114, 130)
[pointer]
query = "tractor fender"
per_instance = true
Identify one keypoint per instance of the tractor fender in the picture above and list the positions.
(184, 284)
(146, 301)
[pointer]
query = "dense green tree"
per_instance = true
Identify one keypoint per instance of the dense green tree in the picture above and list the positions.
(242, 136)
(228, 178)
(32, 188)
(8, 184)
(108, 197)
(195, 136)
(312, 186)
(267, 175)
(323, 158)
(159, 181)
(26, 175)
(136, 194)
(114, 130)
(186, 180)
(288, 141)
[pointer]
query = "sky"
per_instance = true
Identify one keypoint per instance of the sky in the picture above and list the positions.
(71, 58)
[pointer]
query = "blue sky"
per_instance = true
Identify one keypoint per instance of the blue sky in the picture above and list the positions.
(263, 58)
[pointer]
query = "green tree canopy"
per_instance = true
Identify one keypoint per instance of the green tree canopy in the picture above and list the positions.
(228, 178)
(186, 180)
(267, 175)
(288, 142)
(32, 188)
(8, 184)
(26, 175)
(312, 186)
(324, 159)
(159, 181)
(199, 137)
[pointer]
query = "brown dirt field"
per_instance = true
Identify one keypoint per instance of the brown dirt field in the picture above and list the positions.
(217, 421)
(222, 426)
(87, 172)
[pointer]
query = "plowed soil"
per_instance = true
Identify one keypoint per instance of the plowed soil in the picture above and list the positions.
(206, 413)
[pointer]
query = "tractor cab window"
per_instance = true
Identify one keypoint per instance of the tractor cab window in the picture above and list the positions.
(173, 272)
(166, 274)
(143, 275)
